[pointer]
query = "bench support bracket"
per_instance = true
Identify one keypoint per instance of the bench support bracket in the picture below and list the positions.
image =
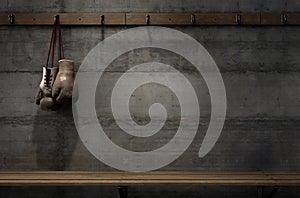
(260, 192)
(123, 191)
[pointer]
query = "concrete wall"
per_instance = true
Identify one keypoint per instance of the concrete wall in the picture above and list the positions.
(260, 67)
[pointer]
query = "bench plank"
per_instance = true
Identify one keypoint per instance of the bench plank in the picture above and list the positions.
(70, 178)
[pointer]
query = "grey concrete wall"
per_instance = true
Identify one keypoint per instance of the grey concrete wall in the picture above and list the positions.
(260, 67)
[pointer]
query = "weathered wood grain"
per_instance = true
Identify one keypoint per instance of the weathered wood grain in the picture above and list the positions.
(151, 19)
(150, 178)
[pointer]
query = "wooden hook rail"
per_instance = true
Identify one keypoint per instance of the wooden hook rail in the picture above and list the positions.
(151, 18)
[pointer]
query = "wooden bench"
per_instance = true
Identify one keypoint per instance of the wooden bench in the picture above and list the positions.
(124, 179)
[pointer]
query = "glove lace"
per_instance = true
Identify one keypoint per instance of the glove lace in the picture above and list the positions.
(48, 78)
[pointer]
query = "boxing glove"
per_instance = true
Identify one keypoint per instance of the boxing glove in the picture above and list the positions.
(44, 89)
(63, 85)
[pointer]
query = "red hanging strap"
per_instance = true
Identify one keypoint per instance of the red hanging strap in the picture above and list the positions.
(53, 46)
(50, 46)
(53, 42)
(60, 45)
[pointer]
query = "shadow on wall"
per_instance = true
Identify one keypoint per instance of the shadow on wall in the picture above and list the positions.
(55, 137)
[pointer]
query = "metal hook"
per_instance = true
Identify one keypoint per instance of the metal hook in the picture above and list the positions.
(238, 19)
(284, 18)
(11, 19)
(102, 19)
(147, 19)
(193, 19)
(56, 18)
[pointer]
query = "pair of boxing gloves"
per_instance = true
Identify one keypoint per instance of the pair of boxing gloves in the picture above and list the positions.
(56, 86)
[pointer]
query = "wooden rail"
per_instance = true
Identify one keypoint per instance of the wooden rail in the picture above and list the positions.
(71, 178)
(151, 18)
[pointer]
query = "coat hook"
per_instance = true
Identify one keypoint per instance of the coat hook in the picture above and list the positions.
(102, 19)
(56, 18)
(193, 19)
(238, 19)
(11, 19)
(284, 18)
(147, 19)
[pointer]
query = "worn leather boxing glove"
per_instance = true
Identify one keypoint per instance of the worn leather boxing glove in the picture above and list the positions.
(63, 85)
(44, 91)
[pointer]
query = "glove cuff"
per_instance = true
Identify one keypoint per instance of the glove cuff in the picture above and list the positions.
(66, 65)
